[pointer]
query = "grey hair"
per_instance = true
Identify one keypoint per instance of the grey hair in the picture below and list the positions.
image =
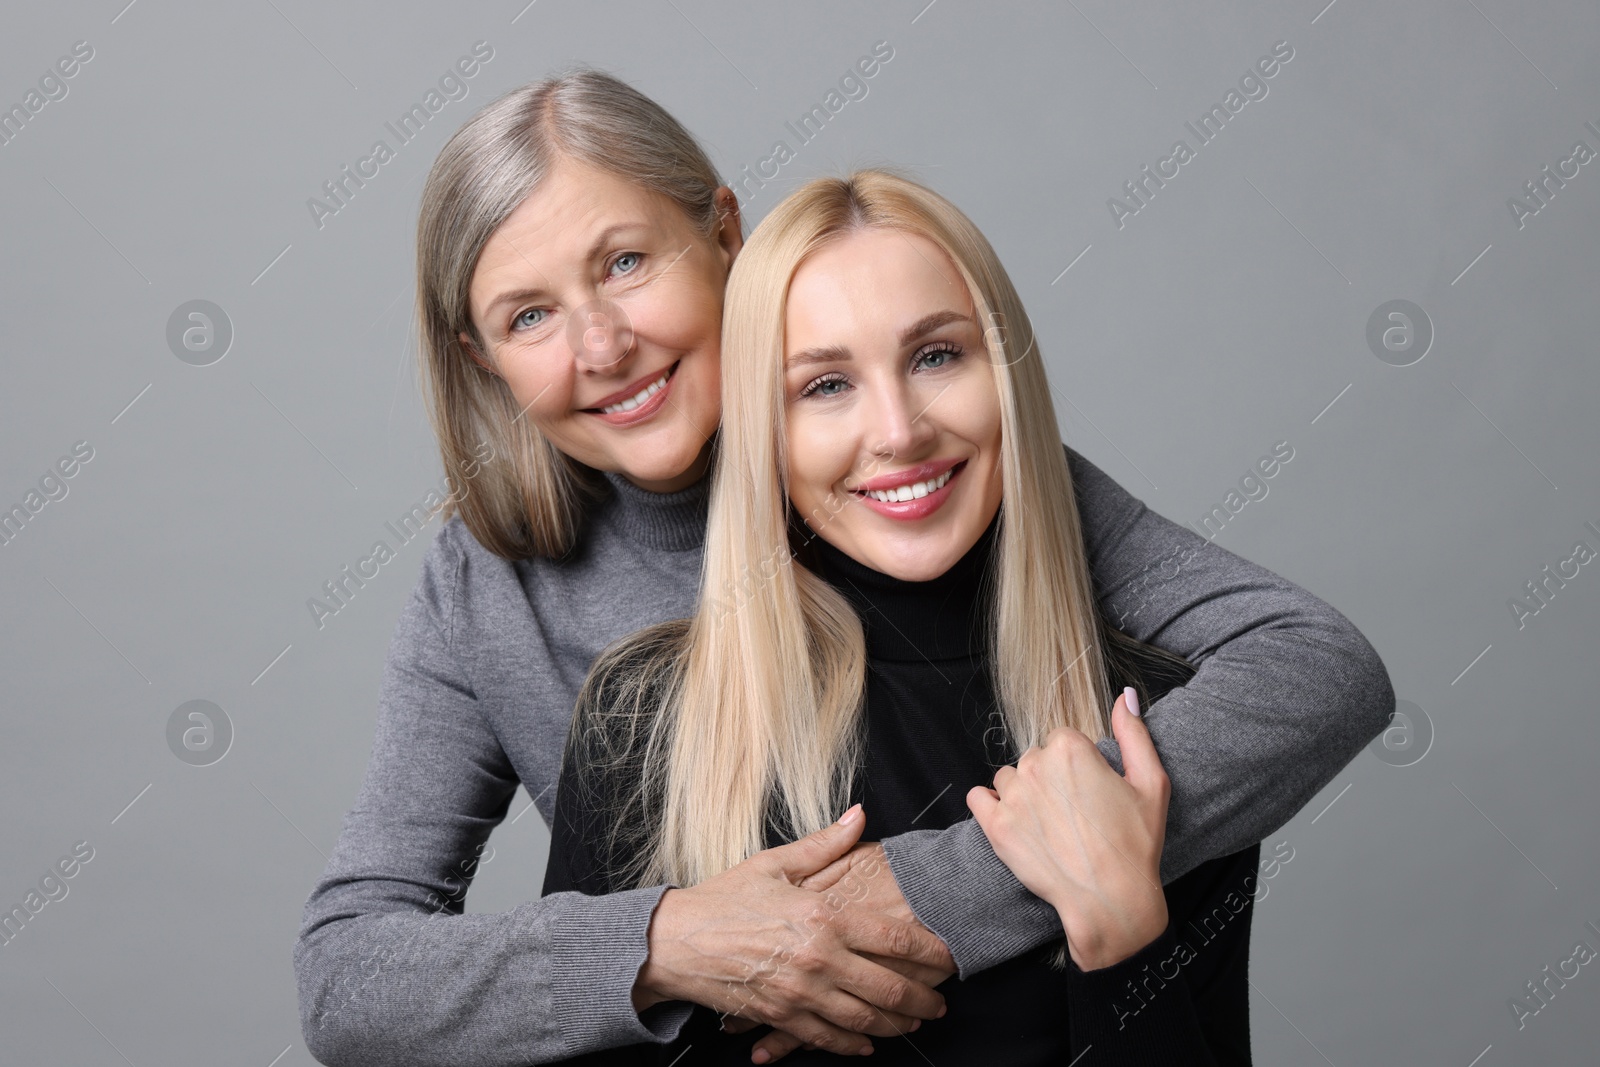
(528, 499)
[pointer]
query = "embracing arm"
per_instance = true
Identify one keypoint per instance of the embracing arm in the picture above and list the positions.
(389, 970)
(1287, 693)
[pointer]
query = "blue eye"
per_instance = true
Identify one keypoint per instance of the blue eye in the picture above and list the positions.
(631, 258)
(518, 321)
(934, 358)
(823, 386)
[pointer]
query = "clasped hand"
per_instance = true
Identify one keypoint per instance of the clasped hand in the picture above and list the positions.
(813, 938)
(1084, 838)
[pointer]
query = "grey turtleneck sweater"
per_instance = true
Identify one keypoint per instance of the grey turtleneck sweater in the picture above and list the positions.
(478, 692)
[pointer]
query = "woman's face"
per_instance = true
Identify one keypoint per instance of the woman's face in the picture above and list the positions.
(602, 310)
(889, 393)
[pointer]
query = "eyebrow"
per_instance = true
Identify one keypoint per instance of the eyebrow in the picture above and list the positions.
(603, 238)
(911, 334)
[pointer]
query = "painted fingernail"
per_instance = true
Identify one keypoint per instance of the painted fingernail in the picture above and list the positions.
(1132, 699)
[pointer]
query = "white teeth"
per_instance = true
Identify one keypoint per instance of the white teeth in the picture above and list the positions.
(640, 397)
(914, 491)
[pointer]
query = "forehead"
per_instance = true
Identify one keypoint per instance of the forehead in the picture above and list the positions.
(553, 230)
(874, 277)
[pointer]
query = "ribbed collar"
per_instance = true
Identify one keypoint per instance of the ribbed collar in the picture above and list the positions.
(672, 522)
(916, 621)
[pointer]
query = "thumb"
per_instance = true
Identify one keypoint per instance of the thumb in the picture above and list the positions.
(1140, 763)
(816, 850)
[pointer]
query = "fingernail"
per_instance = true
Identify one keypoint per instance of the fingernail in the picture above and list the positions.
(915, 1023)
(761, 1055)
(851, 815)
(1132, 698)
(942, 1009)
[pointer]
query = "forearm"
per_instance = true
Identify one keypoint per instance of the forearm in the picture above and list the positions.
(388, 969)
(1268, 721)
(549, 979)
(959, 889)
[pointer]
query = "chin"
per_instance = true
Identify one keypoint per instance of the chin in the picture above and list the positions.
(919, 558)
(920, 566)
(664, 458)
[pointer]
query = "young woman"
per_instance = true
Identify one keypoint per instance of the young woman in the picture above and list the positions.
(902, 466)
(573, 244)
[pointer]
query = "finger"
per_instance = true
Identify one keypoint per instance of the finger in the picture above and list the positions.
(871, 932)
(738, 1024)
(775, 1046)
(863, 1017)
(1140, 763)
(884, 990)
(1002, 777)
(982, 802)
(816, 1032)
(917, 972)
(815, 851)
(829, 876)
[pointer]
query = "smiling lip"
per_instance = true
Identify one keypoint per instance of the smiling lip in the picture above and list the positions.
(645, 409)
(918, 507)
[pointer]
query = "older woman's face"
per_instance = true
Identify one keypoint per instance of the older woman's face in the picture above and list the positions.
(891, 409)
(602, 310)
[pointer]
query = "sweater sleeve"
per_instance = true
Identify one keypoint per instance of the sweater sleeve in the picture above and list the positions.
(1287, 693)
(598, 825)
(389, 969)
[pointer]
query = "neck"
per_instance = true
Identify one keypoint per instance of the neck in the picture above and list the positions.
(671, 522)
(942, 618)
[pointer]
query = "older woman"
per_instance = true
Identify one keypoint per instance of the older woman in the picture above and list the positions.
(572, 249)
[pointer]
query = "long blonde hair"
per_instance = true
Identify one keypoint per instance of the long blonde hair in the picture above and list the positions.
(751, 710)
(530, 498)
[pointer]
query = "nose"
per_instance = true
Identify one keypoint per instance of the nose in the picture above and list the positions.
(901, 425)
(600, 336)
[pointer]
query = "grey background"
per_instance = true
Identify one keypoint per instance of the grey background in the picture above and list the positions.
(1228, 315)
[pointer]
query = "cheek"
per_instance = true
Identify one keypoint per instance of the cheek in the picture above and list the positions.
(818, 460)
(975, 413)
(683, 315)
(542, 377)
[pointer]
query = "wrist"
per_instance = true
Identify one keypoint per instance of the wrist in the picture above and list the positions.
(654, 982)
(1116, 942)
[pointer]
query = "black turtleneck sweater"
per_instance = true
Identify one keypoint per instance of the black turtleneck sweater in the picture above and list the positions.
(932, 732)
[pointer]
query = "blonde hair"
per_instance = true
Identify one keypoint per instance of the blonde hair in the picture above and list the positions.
(530, 499)
(751, 710)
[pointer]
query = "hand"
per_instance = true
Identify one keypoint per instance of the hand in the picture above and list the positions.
(751, 942)
(861, 877)
(1084, 838)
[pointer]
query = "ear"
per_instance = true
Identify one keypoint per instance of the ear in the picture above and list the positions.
(729, 232)
(472, 352)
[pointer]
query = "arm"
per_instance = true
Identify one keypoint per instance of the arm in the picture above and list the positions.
(388, 968)
(1286, 687)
